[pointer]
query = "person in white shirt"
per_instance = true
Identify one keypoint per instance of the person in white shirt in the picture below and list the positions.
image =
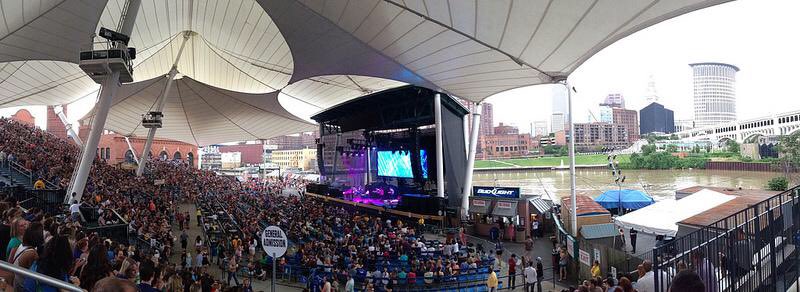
(530, 277)
(75, 210)
(647, 282)
(351, 284)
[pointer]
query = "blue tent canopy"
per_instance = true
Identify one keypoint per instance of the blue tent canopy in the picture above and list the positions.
(630, 199)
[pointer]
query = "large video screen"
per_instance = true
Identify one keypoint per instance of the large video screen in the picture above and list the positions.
(398, 164)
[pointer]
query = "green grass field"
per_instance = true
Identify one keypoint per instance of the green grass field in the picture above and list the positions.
(548, 161)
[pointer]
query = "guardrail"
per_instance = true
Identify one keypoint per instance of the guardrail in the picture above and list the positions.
(752, 250)
(39, 277)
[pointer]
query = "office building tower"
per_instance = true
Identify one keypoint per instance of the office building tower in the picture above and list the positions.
(714, 93)
(655, 118)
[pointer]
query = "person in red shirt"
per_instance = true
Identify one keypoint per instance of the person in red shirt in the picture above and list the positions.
(512, 271)
(412, 277)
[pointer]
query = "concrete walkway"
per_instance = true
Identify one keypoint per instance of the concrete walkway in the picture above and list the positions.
(214, 269)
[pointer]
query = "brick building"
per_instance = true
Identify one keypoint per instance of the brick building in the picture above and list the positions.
(593, 136)
(252, 154)
(114, 149)
(25, 117)
(54, 124)
(507, 142)
(630, 119)
(294, 142)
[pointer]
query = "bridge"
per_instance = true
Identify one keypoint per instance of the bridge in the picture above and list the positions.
(747, 130)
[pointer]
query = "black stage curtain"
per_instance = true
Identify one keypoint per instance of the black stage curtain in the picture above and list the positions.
(455, 158)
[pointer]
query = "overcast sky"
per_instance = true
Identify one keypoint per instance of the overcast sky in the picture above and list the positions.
(761, 37)
(758, 36)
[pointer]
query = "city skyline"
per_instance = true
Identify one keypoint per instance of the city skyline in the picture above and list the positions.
(664, 51)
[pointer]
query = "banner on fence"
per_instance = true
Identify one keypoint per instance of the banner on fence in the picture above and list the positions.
(584, 258)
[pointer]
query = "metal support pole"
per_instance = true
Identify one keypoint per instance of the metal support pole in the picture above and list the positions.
(473, 148)
(109, 88)
(274, 267)
(437, 108)
(571, 136)
(151, 133)
(107, 91)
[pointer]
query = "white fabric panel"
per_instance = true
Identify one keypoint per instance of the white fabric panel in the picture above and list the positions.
(310, 96)
(42, 83)
(662, 217)
(47, 29)
(471, 49)
(236, 46)
(201, 114)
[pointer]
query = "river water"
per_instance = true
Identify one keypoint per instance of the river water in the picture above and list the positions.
(660, 184)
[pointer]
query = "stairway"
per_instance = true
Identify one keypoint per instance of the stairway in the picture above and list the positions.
(14, 178)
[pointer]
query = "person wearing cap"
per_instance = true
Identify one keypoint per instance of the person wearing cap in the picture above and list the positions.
(539, 274)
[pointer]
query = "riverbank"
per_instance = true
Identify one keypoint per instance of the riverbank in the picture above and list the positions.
(593, 160)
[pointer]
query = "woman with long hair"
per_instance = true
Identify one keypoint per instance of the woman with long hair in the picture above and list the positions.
(624, 285)
(56, 262)
(26, 254)
(97, 267)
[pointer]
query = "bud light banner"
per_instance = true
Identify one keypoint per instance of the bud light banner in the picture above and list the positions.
(496, 192)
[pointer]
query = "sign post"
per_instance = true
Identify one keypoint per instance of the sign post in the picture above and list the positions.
(274, 242)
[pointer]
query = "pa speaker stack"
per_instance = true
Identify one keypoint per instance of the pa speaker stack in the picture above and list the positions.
(421, 204)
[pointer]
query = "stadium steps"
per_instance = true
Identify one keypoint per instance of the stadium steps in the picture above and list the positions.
(16, 178)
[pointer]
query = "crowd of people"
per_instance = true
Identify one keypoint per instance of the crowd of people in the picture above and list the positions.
(335, 245)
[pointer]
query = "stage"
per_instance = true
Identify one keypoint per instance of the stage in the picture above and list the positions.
(378, 208)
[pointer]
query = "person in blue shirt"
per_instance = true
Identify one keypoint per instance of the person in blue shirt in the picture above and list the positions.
(55, 262)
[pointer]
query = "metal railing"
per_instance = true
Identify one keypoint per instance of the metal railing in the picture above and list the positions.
(752, 250)
(38, 277)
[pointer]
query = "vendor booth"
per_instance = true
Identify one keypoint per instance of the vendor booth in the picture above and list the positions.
(588, 212)
(504, 209)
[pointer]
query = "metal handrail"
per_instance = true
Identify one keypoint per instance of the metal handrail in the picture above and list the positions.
(39, 277)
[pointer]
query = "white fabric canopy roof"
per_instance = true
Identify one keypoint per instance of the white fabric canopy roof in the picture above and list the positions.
(662, 217)
(201, 114)
(318, 53)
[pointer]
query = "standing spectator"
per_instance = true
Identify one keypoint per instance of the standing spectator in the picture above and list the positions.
(562, 265)
(512, 271)
(199, 215)
(39, 184)
(531, 277)
(633, 234)
(56, 261)
(18, 227)
(492, 282)
(184, 239)
(687, 281)
(646, 283)
(596, 269)
(146, 275)
(351, 284)
(233, 266)
(25, 254)
(96, 268)
(539, 274)
(528, 247)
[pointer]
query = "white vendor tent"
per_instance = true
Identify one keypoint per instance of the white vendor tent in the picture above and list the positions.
(662, 217)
